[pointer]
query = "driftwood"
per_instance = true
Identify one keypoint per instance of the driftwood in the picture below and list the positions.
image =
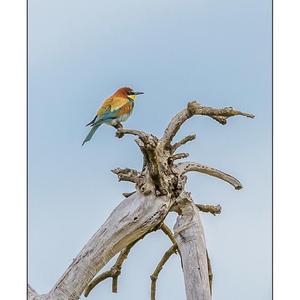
(160, 188)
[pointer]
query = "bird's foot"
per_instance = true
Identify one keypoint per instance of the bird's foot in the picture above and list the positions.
(118, 125)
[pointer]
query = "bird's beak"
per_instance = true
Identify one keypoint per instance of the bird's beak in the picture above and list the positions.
(138, 93)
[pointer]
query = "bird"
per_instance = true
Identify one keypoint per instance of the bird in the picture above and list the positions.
(114, 110)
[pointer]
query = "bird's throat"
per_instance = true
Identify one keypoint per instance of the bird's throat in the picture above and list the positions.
(132, 97)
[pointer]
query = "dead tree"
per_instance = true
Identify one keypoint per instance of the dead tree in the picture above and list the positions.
(160, 189)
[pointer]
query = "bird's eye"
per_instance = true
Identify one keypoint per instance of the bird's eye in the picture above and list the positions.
(130, 93)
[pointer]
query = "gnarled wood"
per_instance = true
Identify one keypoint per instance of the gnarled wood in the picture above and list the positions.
(160, 188)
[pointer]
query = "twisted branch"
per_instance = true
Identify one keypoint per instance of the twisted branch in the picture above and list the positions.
(195, 108)
(159, 267)
(192, 166)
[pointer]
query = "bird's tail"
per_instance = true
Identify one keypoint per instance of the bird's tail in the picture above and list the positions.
(91, 133)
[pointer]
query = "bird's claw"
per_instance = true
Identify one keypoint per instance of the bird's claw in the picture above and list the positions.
(118, 125)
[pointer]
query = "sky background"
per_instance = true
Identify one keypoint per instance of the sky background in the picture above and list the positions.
(218, 52)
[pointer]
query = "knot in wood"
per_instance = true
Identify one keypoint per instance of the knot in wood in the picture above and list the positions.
(153, 277)
(115, 271)
(191, 108)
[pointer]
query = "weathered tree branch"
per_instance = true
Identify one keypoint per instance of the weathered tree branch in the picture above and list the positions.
(185, 167)
(168, 232)
(195, 108)
(141, 134)
(149, 140)
(114, 271)
(183, 142)
(159, 267)
(160, 188)
(213, 209)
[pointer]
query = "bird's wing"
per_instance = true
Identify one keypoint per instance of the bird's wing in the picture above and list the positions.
(113, 107)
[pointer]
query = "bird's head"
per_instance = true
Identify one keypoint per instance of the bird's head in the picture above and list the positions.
(127, 92)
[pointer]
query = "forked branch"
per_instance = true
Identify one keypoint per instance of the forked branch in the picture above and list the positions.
(159, 267)
(195, 108)
(113, 273)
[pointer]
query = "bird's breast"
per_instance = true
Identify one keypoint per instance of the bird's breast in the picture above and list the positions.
(124, 117)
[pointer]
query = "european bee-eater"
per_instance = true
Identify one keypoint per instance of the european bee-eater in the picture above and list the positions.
(115, 109)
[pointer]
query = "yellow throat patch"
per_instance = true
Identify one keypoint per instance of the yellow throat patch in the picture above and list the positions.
(132, 97)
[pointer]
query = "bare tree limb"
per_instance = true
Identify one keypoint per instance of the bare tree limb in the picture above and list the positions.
(195, 108)
(159, 267)
(196, 167)
(127, 174)
(160, 188)
(114, 271)
(149, 140)
(183, 141)
(122, 131)
(227, 112)
(213, 209)
(168, 232)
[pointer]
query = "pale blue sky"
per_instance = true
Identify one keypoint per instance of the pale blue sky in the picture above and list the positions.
(216, 51)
